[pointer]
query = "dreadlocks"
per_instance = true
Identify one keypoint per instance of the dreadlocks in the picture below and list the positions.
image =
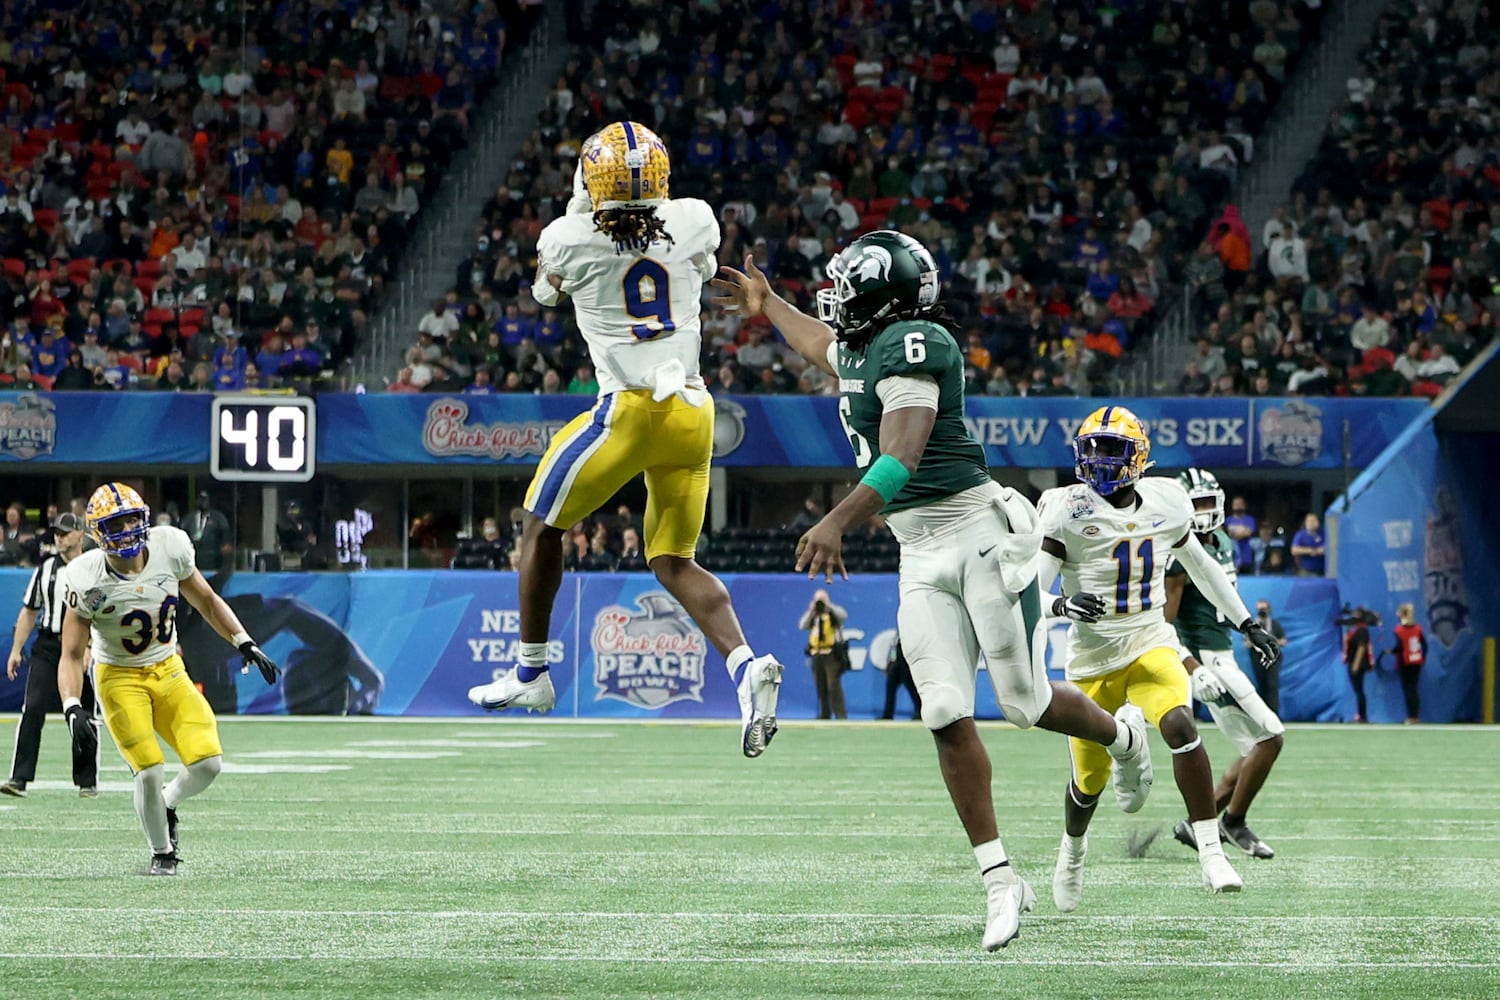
(631, 228)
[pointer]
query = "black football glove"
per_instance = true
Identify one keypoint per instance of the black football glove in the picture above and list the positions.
(1263, 645)
(85, 737)
(254, 657)
(1086, 608)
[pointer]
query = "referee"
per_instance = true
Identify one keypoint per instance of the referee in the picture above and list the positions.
(42, 609)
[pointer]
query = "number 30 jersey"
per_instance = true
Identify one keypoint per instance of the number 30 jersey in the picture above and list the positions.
(1120, 556)
(637, 308)
(134, 619)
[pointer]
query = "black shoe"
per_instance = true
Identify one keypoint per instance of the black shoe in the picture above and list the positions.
(172, 827)
(15, 788)
(163, 864)
(88, 791)
(1183, 831)
(1245, 839)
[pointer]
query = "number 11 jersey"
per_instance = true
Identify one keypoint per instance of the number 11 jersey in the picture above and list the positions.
(134, 618)
(637, 307)
(1120, 556)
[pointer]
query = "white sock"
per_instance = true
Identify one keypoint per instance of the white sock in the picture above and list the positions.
(993, 862)
(533, 654)
(1075, 845)
(1206, 833)
(151, 808)
(191, 780)
(1122, 745)
(738, 657)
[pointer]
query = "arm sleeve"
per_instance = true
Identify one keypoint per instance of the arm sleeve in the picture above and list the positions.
(1211, 580)
(897, 392)
(1048, 568)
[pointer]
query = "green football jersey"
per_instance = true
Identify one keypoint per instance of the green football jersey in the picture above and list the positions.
(953, 460)
(1199, 624)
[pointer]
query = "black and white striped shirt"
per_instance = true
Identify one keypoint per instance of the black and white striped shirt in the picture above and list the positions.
(44, 594)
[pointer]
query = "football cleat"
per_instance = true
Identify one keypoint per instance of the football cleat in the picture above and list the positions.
(172, 827)
(163, 864)
(510, 691)
(1183, 831)
(624, 164)
(759, 688)
(1133, 772)
(1218, 874)
(1007, 901)
(1067, 877)
(1245, 839)
(14, 788)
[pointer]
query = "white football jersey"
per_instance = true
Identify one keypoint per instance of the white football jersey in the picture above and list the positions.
(134, 619)
(1120, 556)
(637, 309)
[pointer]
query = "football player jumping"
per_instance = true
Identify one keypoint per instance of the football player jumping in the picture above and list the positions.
(969, 546)
(1217, 680)
(124, 596)
(1113, 534)
(634, 262)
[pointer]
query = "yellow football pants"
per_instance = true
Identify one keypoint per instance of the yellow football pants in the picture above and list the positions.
(141, 702)
(1155, 682)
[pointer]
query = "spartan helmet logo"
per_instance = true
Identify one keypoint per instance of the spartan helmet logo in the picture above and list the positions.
(873, 262)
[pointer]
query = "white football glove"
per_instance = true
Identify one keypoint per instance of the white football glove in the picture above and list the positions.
(1207, 688)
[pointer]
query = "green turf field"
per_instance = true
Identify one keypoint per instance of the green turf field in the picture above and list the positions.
(508, 858)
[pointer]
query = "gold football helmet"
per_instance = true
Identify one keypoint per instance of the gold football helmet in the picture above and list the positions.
(1111, 449)
(625, 163)
(106, 514)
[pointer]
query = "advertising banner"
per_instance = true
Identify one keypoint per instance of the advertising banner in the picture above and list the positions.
(139, 428)
(395, 642)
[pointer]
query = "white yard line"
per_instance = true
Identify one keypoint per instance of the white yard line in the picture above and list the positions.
(1007, 959)
(1173, 919)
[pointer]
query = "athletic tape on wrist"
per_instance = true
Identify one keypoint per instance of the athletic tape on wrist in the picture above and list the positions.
(886, 476)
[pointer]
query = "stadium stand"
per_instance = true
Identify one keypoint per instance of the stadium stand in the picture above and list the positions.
(1063, 160)
(1380, 276)
(216, 200)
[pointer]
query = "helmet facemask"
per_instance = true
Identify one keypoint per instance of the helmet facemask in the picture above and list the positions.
(124, 534)
(1208, 510)
(1107, 461)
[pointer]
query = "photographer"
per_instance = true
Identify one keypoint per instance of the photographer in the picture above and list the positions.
(1358, 655)
(827, 653)
(1268, 680)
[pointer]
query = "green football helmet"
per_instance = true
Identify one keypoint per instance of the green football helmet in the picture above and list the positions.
(1202, 485)
(878, 278)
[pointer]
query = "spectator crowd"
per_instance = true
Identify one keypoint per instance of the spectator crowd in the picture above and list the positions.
(1063, 160)
(212, 196)
(1382, 275)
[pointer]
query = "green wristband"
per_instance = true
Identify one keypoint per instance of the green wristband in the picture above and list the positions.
(886, 476)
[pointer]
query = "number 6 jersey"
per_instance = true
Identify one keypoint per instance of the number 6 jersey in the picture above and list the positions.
(637, 308)
(1120, 556)
(134, 619)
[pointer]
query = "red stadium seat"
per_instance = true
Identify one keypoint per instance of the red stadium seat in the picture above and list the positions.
(857, 113)
(943, 65)
(14, 266)
(883, 206)
(149, 269)
(46, 219)
(192, 316)
(158, 317)
(146, 285)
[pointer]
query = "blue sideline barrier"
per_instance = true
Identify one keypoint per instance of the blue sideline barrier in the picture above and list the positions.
(412, 642)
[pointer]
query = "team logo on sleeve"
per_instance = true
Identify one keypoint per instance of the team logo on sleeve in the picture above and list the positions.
(28, 427)
(1291, 435)
(93, 600)
(1080, 505)
(651, 657)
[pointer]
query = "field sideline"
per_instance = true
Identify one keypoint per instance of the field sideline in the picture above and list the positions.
(515, 858)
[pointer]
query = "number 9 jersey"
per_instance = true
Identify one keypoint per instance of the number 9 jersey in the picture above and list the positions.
(1120, 556)
(134, 619)
(637, 307)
